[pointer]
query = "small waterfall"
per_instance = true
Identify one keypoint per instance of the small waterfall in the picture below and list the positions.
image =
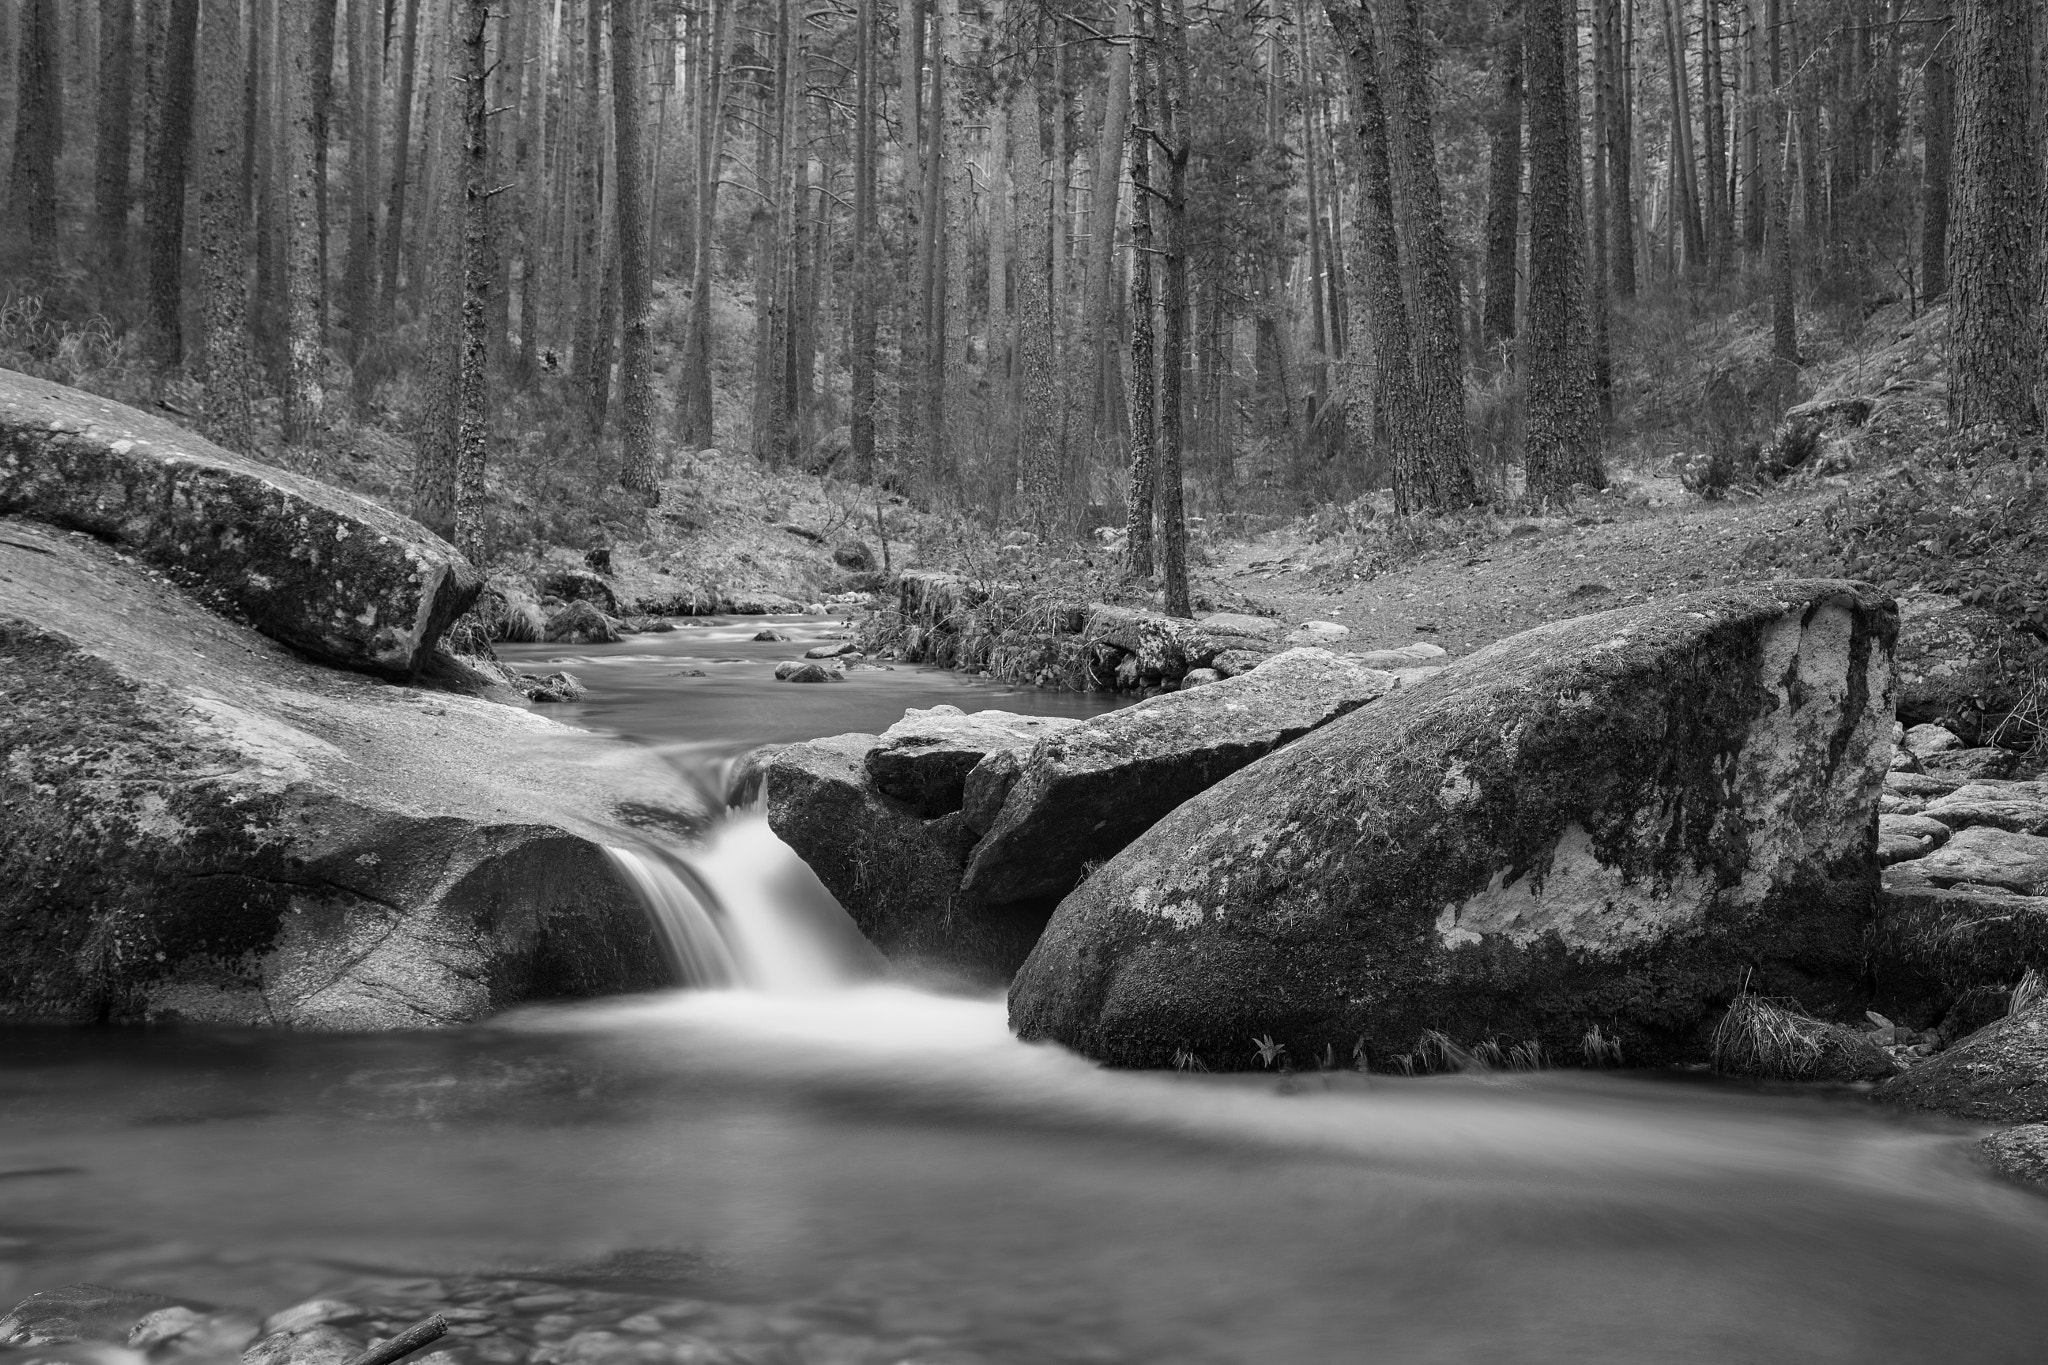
(741, 910)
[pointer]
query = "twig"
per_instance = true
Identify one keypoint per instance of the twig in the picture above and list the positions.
(405, 1343)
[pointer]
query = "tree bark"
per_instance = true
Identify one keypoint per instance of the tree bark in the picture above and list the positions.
(1560, 439)
(170, 148)
(1038, 436)
(472, 397)
(366, 82)
(401, 163)
(1937, 123)
(1106, 186)
(112, 153)
(1439, 358)
(304, 222)
(1142, 486)
(1684, 169)
(637, 471)
(1173, 36)
(861, 344)
(1995, 344)
(223, 220)
(1504, 186)
(1778, 203)
(38, 131)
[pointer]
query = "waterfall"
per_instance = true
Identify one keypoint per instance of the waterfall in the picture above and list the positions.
(739, 910)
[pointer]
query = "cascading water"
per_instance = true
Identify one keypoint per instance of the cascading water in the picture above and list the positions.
(740, 910)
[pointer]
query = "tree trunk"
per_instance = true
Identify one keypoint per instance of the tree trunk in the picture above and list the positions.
(695, 398)
(170, 147)
(1142, 487)
(472, 397)
(1173, 37)
(1778, 204)
(303, 221)
(1504, 186)
(401, 163)
(593, 217)
(1395, 404)
(223, 219)
(1995, 338)
(1937, 106)
(1439, 359)
(112, 152)
(951, 387)
(323, 107)
(1684, 169)
(1714, 115)
(1038, 436)
(1599, 235)
(1106, 184)
(861, 343)
(38, 132)
(366, 84)
(913, 311)
(1560, 442)
(637, 471)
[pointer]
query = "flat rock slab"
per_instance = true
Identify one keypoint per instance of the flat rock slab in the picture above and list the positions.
(204, 826)
(1968, 764)
(895, 873)
(1999, 1074)
(1992, 857)
(2020, 807)
(924, 758)
(1083, 794)
(1607, 821)
(1900, 837)
(1935, 944)
(1404, 656)
(322, 570)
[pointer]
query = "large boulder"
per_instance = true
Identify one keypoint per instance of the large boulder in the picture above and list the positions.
(896, 873)
(196, 823)
(1614, 821)
(1080, 796)
(924, 758)
(1999, 1074)
(322, 570)
(1963, 666)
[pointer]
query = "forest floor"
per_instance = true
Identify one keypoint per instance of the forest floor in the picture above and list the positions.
(1534, 570)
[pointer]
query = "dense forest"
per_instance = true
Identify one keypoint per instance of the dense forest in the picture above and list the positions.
(1048, 268)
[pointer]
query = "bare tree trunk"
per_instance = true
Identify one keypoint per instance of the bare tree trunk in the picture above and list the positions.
(1714, 113)
(304, 223)
(1504, 187)
(366, 84)
(112, 152)
(1394, 398)
(770, 241)
(1995, 345)
(1621, 139)
(1038, 370)
(472, 396)
(1173, 37)
(322, 89)
(694, 401)
(1778, 204)
(170, 146)
(1106, 181)
(1561, 443)
(224, 369)
(861, 344)
(637, 471)
(1937, 121)
(38, 132)
(401, 159)
(1142, 486)
(533, 169)
(1684, 169)
(951, 389)
(593, 216)
(913, 311)
(1438, 357)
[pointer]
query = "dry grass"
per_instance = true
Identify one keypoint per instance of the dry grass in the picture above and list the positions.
(1773, 1040)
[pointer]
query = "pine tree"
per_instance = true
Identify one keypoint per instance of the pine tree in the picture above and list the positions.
(111, 152)
(637, 470)
(223, 220)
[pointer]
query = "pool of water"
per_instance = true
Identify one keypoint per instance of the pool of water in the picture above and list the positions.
(872, 1175)
(710, 682)
(877, 1175)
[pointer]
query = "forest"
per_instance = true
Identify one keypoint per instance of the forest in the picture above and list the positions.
(1053, 270)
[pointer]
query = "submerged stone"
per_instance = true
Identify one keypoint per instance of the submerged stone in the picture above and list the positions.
(1610, 821)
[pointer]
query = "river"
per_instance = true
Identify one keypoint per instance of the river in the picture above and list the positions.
(865, 1174)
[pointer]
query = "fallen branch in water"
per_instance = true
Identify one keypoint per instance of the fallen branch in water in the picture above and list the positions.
(405, 1343)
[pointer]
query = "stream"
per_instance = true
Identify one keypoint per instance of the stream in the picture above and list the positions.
(820, 1167)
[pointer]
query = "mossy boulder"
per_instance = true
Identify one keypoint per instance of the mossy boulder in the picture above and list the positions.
(324, 571)
(1616, 820)
(196, 823)
(1081, 795)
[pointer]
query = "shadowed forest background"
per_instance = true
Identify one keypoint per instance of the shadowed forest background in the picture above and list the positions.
(569, 272)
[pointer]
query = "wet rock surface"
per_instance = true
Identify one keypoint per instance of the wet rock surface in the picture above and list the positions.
(305, 563)
(1493, 853)
(924, 759)
(203, 826)
(2019, 1154)
(1085, 793)
(1999, 1074)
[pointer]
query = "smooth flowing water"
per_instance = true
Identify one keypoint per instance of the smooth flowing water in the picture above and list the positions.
(820, 1167)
